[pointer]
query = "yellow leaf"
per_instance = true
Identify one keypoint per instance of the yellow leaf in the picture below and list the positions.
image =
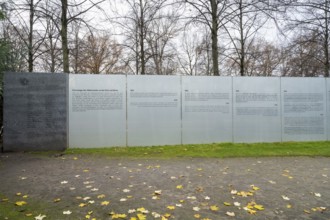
(85, 171)
(20, 203)
(133, 218)
(119, 216)
(181, 201)
(259, 207)
(197, 215)
(171, 207)
(101, 196)
(307, 211)
(57, 200)
(25, 196)
(87, 216)
(104, 203)
(167, 215)
(288, 206)
(28, 214)
(18, 194)
(227, 204)
(5, 200)
(251, 211)
(179, 187)
(90, 212)
(82, 204)
(164, 218)
(141, 216)
(255, 188)
(214, 208)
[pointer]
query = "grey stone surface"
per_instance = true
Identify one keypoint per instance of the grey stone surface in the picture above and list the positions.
(35, 111)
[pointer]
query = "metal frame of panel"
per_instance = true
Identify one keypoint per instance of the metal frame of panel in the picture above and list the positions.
(256, 109)
(303, 109)
(97, 111)
(328, 106)
(153, 110)
(206, 109)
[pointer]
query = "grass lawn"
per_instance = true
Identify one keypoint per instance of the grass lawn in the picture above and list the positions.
(216, 150)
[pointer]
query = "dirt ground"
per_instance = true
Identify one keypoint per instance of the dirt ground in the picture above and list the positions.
(87, 187)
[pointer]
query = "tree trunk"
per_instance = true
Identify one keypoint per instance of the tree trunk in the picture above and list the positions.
(142, 39)
(214, 37)
(242, 55)
(30, 40)
(326, 41)
(64, 36)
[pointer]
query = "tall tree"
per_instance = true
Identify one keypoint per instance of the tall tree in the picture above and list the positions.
(246, 19)
(211, 13)
(311, 16)
(20, 10)
(136, 24)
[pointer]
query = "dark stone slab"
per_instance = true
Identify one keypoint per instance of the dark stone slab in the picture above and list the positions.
(35, 111)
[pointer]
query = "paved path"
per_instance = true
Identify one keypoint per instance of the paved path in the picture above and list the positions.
(249, 188)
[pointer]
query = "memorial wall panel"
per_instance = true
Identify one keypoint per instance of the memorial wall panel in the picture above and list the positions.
(256, 109)
(35, 111)
(206, 109)
(303, 109)
(153, 110)
(97, 111)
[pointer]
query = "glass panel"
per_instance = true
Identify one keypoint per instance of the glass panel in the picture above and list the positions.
(206, 109)
(97, 111)
(256, 109)
(153, 116)
(303, 109)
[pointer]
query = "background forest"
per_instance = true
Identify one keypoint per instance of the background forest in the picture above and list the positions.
(166, 37)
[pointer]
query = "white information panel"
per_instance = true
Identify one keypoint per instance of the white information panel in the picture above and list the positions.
(153, 110)
(256, 109)
(303, 109)
(206, 109)
(328, 102)
(97, 111)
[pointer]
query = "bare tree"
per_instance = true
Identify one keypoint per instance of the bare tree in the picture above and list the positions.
(19, 11)
(99, 54)
(211, 13)
(158, 38)
(311, 16)
(246, 19)
(136, 24)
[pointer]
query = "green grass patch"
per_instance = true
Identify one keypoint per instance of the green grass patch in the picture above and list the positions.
(216, 150)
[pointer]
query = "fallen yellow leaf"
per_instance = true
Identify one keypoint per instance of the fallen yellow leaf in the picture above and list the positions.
(101, 196)
(141, 216)
(252, 212)
(197, 215)
(57, 200)
(82, 204)
(259, 207)
(171, 207)
(20, 203)
(104, 203)
(214, 208)
(227, 204)
(179, 187)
